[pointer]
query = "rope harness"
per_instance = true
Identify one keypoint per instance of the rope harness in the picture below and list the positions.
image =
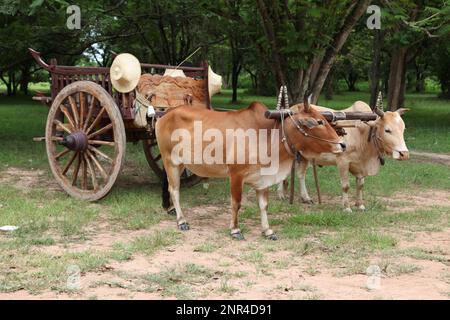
(375, 138)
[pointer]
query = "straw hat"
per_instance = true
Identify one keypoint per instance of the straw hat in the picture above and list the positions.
(214, 82)
(125, 72)
(174, 73)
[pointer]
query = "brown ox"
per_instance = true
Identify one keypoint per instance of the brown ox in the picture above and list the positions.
(366, 146)
(306, 131)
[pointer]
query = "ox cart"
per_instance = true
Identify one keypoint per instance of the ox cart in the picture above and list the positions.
(89, 124)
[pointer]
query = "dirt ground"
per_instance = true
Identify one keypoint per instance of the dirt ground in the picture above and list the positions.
(250, 269)
(287, 276)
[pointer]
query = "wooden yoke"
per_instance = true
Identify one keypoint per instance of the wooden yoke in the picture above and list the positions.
(329, 115)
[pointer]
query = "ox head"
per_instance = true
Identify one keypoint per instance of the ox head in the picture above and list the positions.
(390, 130)
(312, 134)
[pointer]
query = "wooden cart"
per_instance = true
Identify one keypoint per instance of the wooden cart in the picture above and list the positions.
(89, 124)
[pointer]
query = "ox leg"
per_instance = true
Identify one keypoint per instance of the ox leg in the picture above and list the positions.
(343, 172)
(173, 177)
(263, 201)
(282, 189)
(359, 193)
(301, 173)
(236, 185)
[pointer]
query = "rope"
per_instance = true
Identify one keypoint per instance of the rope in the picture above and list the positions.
(316, 181)
(189, 56)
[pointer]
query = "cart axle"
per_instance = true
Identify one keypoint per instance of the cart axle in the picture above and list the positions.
(77, 141)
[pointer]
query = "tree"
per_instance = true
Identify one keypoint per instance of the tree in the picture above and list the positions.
(410, 24)
(301, 40)
(352, 62)
(441, 65)
(42, 26)
(228, 13)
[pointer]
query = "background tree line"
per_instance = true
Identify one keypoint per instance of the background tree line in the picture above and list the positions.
(311, 46)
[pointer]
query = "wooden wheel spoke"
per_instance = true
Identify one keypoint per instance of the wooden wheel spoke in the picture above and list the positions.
(73, 105)
(68, 164)
(101, 154)
(97, 119)
(67, 114)
(100, 131)
(98, 165)
(83, 172)
(89, 115)
(62, 126)
(81, 97)
(91, 172)
(62, 154)
(103, 143)
(77, 169)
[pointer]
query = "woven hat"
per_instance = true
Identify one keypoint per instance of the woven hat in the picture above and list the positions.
(174, 73)
(125, 72)
(214, 82)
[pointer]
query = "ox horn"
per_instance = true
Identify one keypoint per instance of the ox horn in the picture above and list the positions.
(306, 101)
(379, 106)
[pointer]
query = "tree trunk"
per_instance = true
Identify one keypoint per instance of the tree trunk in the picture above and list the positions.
(25, 79)
(375, 67)
(14, 84)
(329, 83)
(234, 80)
(351, 82)
(236, 60)
(420, 77)
(396, 86)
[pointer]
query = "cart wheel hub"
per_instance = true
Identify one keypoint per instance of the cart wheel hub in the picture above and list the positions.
(77, 141)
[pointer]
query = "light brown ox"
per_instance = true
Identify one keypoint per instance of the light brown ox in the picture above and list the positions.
(309, 121)
(363, 155)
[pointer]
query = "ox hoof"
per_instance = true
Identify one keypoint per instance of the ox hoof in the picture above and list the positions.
(281, 196)
(308, 201)
(172, 212)
(238, 236)
(183, 226)
(361, 207)
(273, 237)
(348, 210)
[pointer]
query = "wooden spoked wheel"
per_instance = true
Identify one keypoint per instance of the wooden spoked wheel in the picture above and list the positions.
(85, 140)
(153, 156)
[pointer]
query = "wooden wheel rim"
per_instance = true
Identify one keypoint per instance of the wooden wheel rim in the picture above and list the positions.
(155, 162)
(119, 138)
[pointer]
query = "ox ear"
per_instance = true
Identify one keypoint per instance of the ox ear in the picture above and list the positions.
(402, 111)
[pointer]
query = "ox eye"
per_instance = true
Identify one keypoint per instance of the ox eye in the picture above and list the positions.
(320, 122)
(388, 130)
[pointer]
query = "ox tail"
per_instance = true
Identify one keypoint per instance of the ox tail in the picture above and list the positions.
(165, 191)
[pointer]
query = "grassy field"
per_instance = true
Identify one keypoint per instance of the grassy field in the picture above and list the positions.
(405, 201)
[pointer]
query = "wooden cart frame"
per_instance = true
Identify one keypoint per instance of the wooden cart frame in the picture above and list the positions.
(89, 123)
